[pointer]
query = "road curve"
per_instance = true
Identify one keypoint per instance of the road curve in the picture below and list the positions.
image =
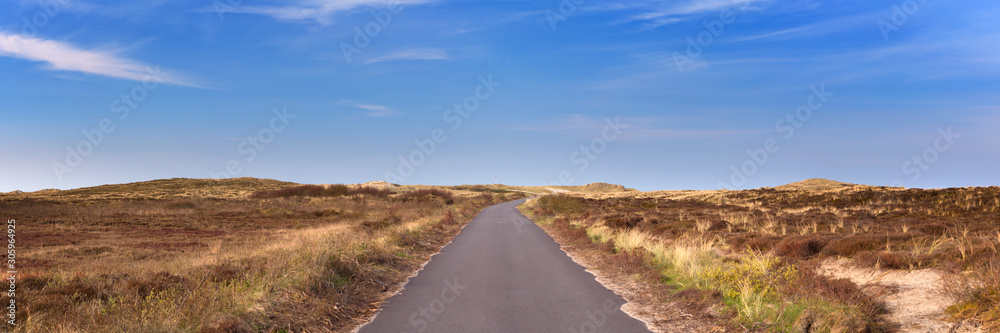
(502, 273)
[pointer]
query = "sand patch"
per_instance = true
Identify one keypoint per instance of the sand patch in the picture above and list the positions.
(914, 299)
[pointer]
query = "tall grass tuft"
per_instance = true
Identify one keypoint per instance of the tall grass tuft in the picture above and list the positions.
(977, 296)
(600, 234)
(631, 239)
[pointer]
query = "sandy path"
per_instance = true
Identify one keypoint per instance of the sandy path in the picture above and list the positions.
(916, 301)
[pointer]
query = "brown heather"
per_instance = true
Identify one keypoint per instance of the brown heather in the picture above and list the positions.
(955, 231)
(238, 255)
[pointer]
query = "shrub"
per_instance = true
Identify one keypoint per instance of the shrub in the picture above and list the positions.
(371, 191)
(798, 247)
(36, 282)
(226, 324)
(562, 204)
(978, 296)
(810, 283)
(578, 235)
(542, 211)
(425, 194)
(375, 225)
(225, 272)
(182, 204)
(883, 259)
(562, 223)
(623, 221)
(762, 243)
(936, 228)
(338, 274)
(305, 191)
(448, 218)
(631, 261)
(155, 283)
(850, 245)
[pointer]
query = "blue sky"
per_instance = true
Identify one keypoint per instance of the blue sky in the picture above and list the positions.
(652, 95)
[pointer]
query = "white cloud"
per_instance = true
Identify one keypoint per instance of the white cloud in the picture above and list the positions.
(318, 10)
(659, 14)
(373, 109)
(414, 54)
(60, 56)
(701, 6)
(656, 23)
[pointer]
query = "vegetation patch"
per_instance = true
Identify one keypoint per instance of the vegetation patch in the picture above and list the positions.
(300, 258)
(760, 250)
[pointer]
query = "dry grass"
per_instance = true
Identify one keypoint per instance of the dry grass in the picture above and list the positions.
(630, 263)
(950, 230)
(817, 184)
(163, 189)
(978, 296)
(160, 257)
(336, 190)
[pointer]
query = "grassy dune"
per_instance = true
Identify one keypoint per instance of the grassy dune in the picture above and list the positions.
(761, 254)
(224, 255)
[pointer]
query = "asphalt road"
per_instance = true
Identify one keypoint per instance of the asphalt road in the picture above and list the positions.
(502, 273)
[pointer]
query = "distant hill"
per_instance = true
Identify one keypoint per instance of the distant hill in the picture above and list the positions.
(593, 188)
(602, 187)
(817, 184)
(377, 184)
(174, 188)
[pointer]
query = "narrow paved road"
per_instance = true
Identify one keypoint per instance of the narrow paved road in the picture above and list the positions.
(502, 273)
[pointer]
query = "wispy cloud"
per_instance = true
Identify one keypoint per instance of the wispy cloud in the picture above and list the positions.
(60, 56)
(840, 24)
(659, 22)
(373, 110)
(702, 6)
(772, 34)
(318, 10)
(414, 54)
(654, 15)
